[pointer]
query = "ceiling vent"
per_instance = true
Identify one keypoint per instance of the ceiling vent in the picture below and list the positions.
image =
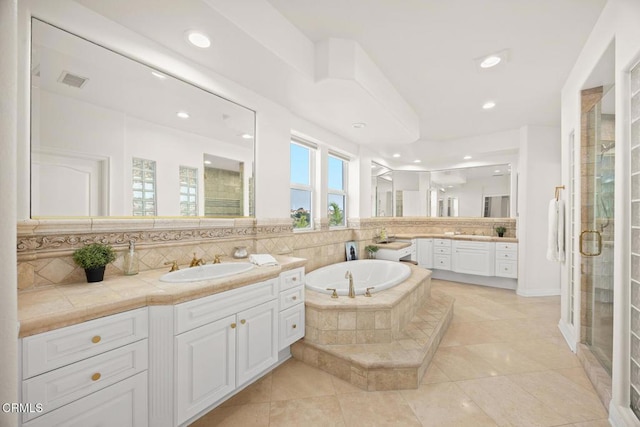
(72, 80)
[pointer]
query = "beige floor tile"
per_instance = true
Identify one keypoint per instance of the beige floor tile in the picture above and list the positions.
(312, 411)
(342, 387)
(464, 334)
(459, 363)
(596, 423)
(509, 404)
(445, 405)
(548, 353)
(254, 414)
(504, 358)
(295, 380)
(434, 375)
(578, 376)
(562, 395)
(258, 392)
(382, 408)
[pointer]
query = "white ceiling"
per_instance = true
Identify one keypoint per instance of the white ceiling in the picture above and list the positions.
(423, 52)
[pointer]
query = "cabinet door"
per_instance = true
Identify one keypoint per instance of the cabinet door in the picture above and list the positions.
(123, 404)
(205, 366)
(473, 261)
(425, 253)
(257, 340)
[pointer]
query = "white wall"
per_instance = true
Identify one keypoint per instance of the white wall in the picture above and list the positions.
(8, 287)
(619, 21)
(539, 168)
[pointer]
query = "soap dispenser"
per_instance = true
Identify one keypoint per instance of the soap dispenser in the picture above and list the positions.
(131, 263)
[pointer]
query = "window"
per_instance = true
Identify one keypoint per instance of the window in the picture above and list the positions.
(144, 187)
(301, 182)
(337, 194)
(188, 191)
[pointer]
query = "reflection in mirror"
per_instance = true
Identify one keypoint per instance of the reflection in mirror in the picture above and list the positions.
(113, 137)
(482, 191)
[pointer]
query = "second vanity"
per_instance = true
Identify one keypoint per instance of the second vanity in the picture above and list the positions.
(186, 349)
(482, 260)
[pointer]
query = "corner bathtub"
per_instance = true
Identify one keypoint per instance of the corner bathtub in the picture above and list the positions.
(379, 274)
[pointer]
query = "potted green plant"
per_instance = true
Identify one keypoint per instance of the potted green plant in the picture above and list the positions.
(371, 250)
(500, 230)
(94, 258)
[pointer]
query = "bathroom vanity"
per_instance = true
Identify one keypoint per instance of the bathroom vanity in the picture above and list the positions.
(189, 347)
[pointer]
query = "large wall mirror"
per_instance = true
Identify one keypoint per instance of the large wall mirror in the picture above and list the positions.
(113, 137)
(483, 191)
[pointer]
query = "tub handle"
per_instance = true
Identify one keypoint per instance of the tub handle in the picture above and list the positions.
(367, 293)
(334, 294)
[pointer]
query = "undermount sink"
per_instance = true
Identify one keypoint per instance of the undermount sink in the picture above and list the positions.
(206, 272)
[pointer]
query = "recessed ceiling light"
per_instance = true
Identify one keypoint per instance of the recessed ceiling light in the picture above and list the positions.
(488, 105)
(159, 75)
(496, 171)
(417, 161)
(467, 157)
(443, 190)
(396, 155)
(198, 39)
(182, 114)
(359, 125)
(490, 61)
(449, 186)
(207, 162)
(247, 136)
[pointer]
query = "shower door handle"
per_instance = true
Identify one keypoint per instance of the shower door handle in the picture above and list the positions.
(598, 239)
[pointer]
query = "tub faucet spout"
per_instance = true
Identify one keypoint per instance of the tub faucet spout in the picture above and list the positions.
(352, 291)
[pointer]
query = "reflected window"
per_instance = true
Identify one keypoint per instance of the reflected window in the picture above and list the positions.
(188, 191)
(144, 187)
(337, 191)
(301, 183)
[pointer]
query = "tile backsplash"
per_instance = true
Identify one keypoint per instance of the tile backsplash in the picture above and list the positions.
(45, 246)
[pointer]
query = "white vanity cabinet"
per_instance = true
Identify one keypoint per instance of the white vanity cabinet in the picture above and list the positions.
(507, 260)
(470, 257)
(96, 370)
(442, 254)
(238, 342)
(424, 252)
(292, 321)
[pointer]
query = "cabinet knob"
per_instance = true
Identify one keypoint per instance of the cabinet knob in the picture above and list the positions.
(294, 298)
(233, 326)
(294, 278)
(96, 376)
(243, 321)
(96, 339)
(294, 326)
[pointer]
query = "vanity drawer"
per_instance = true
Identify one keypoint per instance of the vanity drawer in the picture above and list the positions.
(442, 250)
(506, 269)
(506, 255)
(51, 350)
(61, 386)
(289, 279)
(506, 246)
(442, 262)
(291, 325)
(291, 297)
(199, 312)
(441, 242)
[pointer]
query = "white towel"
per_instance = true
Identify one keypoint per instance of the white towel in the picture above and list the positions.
(555, 237)
(262, 259)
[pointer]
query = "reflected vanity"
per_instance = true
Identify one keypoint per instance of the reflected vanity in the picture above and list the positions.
(113, 137)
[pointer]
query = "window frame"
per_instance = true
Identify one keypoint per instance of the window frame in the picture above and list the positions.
(312, 148)
(344, 192)
(195, 174)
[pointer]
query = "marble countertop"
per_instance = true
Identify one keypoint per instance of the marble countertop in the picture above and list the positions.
(394, 246)
(53, 307)
(457, 237)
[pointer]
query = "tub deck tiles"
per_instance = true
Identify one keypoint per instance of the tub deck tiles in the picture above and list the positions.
(396, 365)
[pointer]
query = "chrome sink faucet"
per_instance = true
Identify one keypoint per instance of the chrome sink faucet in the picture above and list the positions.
(352, 291)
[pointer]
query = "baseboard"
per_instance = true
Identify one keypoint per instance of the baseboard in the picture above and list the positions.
(538, 292)
(492, 281)
(620, 416)
(568, 334)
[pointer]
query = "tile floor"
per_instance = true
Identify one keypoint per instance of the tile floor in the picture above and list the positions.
(502, 362)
